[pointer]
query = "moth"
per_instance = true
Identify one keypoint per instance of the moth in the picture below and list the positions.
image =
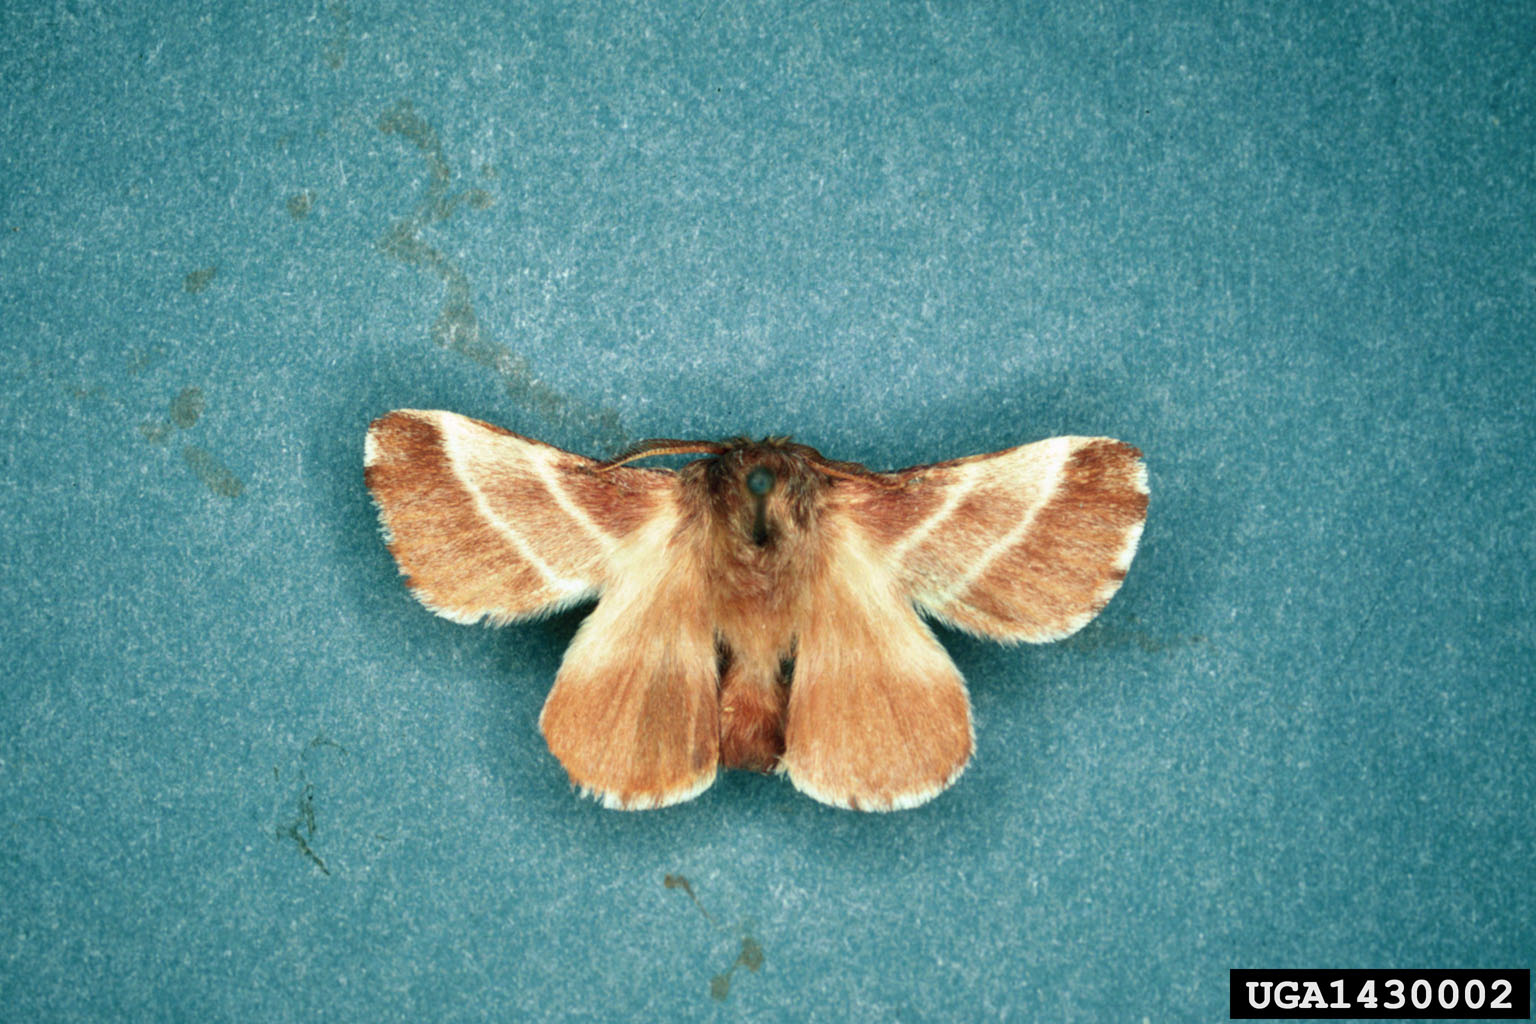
(761, 607)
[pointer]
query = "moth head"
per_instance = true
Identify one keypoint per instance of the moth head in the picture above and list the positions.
(760, 494)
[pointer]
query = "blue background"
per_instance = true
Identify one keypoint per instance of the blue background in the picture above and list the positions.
(1285, 249)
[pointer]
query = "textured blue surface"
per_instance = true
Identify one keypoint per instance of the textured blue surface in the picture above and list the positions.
(1288, 253)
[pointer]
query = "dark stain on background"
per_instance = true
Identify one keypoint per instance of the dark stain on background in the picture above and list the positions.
(750, 957)
(302, 828)
(186, 407)
(681, 882)
(198, 280)
(458, 328)
(220, 479)
(750, 954)
(300, 203)
(185, 410)
(336, 48)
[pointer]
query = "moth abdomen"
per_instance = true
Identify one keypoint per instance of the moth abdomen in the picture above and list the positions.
(753, 704)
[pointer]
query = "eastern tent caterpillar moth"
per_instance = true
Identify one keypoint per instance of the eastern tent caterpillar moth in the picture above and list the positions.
(757, 608)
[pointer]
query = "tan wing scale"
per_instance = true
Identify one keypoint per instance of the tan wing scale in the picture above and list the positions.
(878, 715)
(487, 524)
(491, 525)
(634, 714)
(1024, 544)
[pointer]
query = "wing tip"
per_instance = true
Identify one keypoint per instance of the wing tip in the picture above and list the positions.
(1106, 458)
(392, 418)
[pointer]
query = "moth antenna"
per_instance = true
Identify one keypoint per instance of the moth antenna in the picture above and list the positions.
(660, 446)
(861, 474)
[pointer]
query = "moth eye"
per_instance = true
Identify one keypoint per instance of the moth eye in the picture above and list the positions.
(760, 481)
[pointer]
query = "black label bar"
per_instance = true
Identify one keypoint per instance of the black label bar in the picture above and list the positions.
(1380, 995)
